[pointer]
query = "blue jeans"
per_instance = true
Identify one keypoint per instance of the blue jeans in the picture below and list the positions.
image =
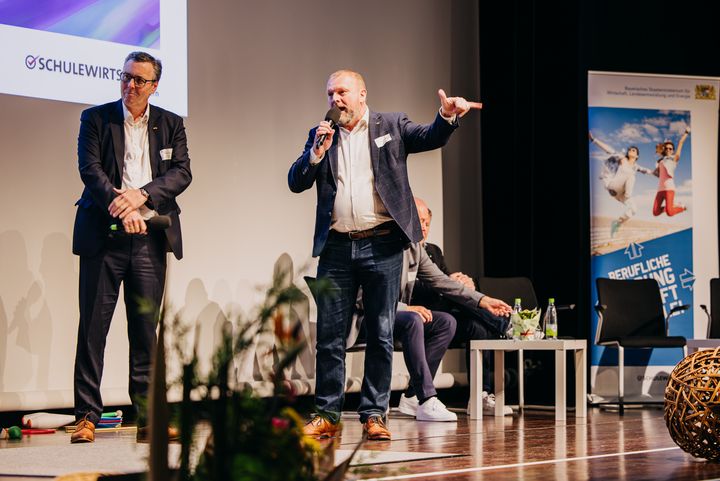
(375, 264)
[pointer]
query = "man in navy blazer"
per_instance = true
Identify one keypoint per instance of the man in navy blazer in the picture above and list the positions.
(133, 160)
(365, 217)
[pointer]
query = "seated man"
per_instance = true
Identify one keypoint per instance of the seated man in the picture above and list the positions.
(420, 399)
(426, 334)
(472, 324)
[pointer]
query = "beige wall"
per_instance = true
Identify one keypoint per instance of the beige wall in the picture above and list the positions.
(257, 72)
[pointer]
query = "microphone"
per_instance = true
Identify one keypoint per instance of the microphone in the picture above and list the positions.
(332, 116)
(158, 222)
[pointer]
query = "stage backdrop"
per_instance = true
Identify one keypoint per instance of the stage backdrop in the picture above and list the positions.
(640, 230)
(256, 86)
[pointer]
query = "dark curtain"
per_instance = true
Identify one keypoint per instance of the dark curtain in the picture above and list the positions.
(534, 59)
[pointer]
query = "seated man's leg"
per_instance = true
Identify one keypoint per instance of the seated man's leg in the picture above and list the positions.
(409, 328)
(438, 335)
(424, 344)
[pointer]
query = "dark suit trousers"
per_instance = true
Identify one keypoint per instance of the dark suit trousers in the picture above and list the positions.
(424, 345)
(139, 263)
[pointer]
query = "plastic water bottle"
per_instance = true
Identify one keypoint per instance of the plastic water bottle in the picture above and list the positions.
(514, 317)
(550, 321)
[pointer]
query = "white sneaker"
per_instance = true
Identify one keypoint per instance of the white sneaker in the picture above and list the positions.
(434, 410)
(408, 405)
(488, 405)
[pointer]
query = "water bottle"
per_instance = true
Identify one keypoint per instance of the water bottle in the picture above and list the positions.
(514, 317)
(550, 321)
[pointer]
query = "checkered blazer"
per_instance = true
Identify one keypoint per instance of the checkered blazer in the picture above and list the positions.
(389, 167)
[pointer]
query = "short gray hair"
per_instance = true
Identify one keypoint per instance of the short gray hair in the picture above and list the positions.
(146, 57)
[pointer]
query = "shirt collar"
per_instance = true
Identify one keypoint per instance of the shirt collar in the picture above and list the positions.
(129, 117)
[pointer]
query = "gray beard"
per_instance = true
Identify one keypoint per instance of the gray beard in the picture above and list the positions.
(346, 117)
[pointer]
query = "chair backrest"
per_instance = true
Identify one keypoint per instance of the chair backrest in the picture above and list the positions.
(632, 308)
(508, 288)
(714, 330)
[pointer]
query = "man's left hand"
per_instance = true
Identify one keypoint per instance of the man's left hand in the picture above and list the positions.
(450, 106)
(495, 306)
(127, 201)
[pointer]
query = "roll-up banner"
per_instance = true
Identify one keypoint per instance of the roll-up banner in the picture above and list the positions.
(653, 145)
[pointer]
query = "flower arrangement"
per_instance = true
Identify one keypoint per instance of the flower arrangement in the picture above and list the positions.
(252, 438)
(525, 324)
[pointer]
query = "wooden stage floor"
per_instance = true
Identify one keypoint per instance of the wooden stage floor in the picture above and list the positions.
(522, 447)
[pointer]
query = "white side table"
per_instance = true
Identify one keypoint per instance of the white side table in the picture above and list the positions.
(699, 344)
(500, 346)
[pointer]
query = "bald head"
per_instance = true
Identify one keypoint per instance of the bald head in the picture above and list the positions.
(349, 73)
(425, 215)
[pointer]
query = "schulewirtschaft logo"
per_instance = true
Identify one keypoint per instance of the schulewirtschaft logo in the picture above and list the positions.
(71, 67)
(30, 61)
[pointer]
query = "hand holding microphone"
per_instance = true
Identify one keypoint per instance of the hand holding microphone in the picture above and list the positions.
(137, 225)
(325, 131)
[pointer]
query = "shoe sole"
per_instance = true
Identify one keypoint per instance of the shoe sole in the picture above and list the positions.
(379, 437)
(407, 412)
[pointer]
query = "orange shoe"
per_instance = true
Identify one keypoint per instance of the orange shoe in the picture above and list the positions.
(376, 430)
(84, 432)
(319, 427)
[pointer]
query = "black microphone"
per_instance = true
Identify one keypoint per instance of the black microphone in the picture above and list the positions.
(332, 116)
(158, 222)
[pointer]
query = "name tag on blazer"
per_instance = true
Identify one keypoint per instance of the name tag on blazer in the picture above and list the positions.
(380, 141)
(166, 154)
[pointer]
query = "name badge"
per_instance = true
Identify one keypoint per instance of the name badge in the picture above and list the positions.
(166, 154)
(380, 141)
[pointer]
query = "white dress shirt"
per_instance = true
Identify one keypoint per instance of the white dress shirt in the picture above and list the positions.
(136, 163)
(357, 203)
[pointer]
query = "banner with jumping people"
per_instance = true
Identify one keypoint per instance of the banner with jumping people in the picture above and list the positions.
(653, 148)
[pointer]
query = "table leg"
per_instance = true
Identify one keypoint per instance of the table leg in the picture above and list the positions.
(580, 383)
(560, 385)
(499, 383)
(476, 383)
(521, 379)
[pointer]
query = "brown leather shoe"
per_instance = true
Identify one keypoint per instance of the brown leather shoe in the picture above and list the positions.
(143, 434)
(319, 427)
(84, 432)
(376, 430)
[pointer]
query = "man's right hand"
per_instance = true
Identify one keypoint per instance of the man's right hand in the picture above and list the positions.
(423, 311)
(133, 223)
(495, 306)
(323, 128)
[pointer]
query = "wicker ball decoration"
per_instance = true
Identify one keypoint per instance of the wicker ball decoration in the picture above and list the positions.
(692, 404)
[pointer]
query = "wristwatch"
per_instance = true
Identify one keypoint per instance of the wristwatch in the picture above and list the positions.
(148, 202)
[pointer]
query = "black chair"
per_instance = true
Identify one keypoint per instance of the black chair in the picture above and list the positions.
(508, 288)
(713, 329)
(630, 316)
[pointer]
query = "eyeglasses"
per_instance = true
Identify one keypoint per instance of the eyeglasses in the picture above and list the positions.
(139, 81)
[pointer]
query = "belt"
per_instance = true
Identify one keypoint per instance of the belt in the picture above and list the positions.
(381, 230)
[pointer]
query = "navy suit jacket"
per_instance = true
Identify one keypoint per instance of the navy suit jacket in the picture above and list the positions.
(389, 164)
(101, 150)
